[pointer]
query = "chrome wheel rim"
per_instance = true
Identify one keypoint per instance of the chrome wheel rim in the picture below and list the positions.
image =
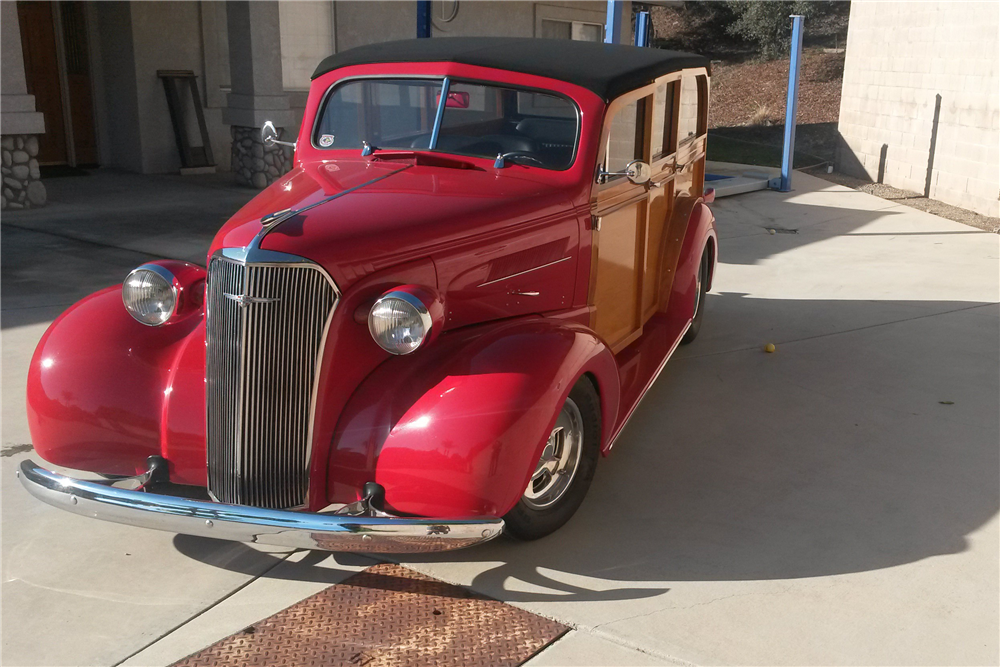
(560, 460)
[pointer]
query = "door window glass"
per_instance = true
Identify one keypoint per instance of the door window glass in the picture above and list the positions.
(625, 138)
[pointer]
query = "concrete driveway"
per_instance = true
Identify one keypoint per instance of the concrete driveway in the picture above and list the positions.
(834, 502)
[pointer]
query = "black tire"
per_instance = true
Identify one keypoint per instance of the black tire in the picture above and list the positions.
(526, 522)
(699, 313)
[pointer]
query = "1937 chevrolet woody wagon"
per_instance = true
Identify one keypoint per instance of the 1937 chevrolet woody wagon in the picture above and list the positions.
(427, 332)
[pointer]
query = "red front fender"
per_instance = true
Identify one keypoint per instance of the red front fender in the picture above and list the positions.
(105, 392)
(456, 429)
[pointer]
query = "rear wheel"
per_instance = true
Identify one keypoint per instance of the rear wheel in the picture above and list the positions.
(701, 286)
(565, 469)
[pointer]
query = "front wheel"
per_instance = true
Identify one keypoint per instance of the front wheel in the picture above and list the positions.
(565, 469)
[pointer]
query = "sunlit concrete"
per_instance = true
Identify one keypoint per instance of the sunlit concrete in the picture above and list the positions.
(834, 502)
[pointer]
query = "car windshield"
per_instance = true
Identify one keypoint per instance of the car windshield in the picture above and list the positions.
(537, 128)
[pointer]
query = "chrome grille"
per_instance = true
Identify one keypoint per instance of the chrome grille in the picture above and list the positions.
(261, 369)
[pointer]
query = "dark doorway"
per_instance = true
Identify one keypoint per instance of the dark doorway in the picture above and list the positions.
(57, 71)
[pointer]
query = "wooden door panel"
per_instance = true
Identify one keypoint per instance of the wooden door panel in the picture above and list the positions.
(659, 215)
(616, 293)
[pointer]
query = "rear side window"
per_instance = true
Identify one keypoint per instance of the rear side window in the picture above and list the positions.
(694, 91)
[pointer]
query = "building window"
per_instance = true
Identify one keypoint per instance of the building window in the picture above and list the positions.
(578, 30)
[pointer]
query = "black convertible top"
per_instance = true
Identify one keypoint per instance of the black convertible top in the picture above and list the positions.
(607, 69)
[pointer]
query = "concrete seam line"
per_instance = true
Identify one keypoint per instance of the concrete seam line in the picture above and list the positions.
(614, 639)
(203, 611)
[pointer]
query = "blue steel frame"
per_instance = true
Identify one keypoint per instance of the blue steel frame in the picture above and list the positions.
(613, 25)
(791, 106)
(423, 18)
(642, 29)
(440, 112)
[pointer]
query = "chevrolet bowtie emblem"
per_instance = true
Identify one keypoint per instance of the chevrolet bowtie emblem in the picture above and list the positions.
(245, 300)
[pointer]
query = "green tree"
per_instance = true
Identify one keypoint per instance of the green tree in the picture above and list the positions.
(767, 25)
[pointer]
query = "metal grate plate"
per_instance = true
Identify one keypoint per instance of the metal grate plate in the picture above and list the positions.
(387, 616)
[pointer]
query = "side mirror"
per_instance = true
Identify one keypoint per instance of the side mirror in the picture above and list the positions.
(637, 171)
(269, 136)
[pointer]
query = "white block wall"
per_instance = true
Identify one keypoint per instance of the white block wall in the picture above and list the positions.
(900, 55)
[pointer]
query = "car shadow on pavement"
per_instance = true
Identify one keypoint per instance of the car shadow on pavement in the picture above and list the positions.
(868, 440)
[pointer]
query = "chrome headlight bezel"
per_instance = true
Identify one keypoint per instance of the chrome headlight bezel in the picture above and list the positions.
(418, 310)
(170, 283)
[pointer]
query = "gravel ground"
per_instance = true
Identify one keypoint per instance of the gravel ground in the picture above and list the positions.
(913, 200)
(754, 93)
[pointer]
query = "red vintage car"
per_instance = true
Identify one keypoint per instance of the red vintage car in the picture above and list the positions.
(426, 333)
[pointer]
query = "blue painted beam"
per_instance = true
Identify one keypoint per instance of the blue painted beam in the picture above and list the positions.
(613, 24)
(642, 29)
(791, 106)
(423, 18)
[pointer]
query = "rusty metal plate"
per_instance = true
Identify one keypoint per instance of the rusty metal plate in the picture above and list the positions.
(385, 616)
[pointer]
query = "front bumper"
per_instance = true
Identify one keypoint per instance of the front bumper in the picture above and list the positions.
(303, 530)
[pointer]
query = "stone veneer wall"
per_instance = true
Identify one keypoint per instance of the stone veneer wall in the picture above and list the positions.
(900, 57)
(21, 185)
(255, 164)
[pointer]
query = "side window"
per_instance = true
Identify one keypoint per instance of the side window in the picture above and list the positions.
(625, 141)
(664, 139)
(689, 124)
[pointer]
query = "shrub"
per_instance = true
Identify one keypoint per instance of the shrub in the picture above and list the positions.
(767, 24)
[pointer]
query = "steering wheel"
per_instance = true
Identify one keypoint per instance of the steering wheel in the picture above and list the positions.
(521, 155)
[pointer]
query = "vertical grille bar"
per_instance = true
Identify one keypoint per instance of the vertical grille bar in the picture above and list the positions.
(261, 368)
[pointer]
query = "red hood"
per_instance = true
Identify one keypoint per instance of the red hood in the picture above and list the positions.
(396, 218)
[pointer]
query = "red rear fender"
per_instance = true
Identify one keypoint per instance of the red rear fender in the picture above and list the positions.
(456, 429)
(699, 235)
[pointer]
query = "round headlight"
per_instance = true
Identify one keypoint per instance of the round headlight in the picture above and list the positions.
(399, 322)
(149, 294)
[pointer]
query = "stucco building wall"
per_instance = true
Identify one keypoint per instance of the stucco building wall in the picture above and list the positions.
(277, 47)
(900, 57)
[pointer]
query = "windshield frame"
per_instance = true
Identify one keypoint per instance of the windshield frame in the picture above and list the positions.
(446, 81)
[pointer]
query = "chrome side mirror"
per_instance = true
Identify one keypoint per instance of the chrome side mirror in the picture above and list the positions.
(637, 171)
(269, 136)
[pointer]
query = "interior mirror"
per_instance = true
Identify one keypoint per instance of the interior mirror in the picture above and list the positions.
(457, 100)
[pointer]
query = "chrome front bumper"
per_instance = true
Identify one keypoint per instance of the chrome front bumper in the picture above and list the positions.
(329, 532)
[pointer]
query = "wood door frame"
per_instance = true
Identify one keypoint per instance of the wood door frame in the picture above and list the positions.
(64, 94)
(606, 198)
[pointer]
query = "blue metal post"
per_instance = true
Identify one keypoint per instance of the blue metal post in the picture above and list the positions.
(613, 25)
(423, 18)
(791, 105)
(642, 29)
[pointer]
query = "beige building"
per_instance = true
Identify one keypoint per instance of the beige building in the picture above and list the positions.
(81, 85)
(920, 105)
